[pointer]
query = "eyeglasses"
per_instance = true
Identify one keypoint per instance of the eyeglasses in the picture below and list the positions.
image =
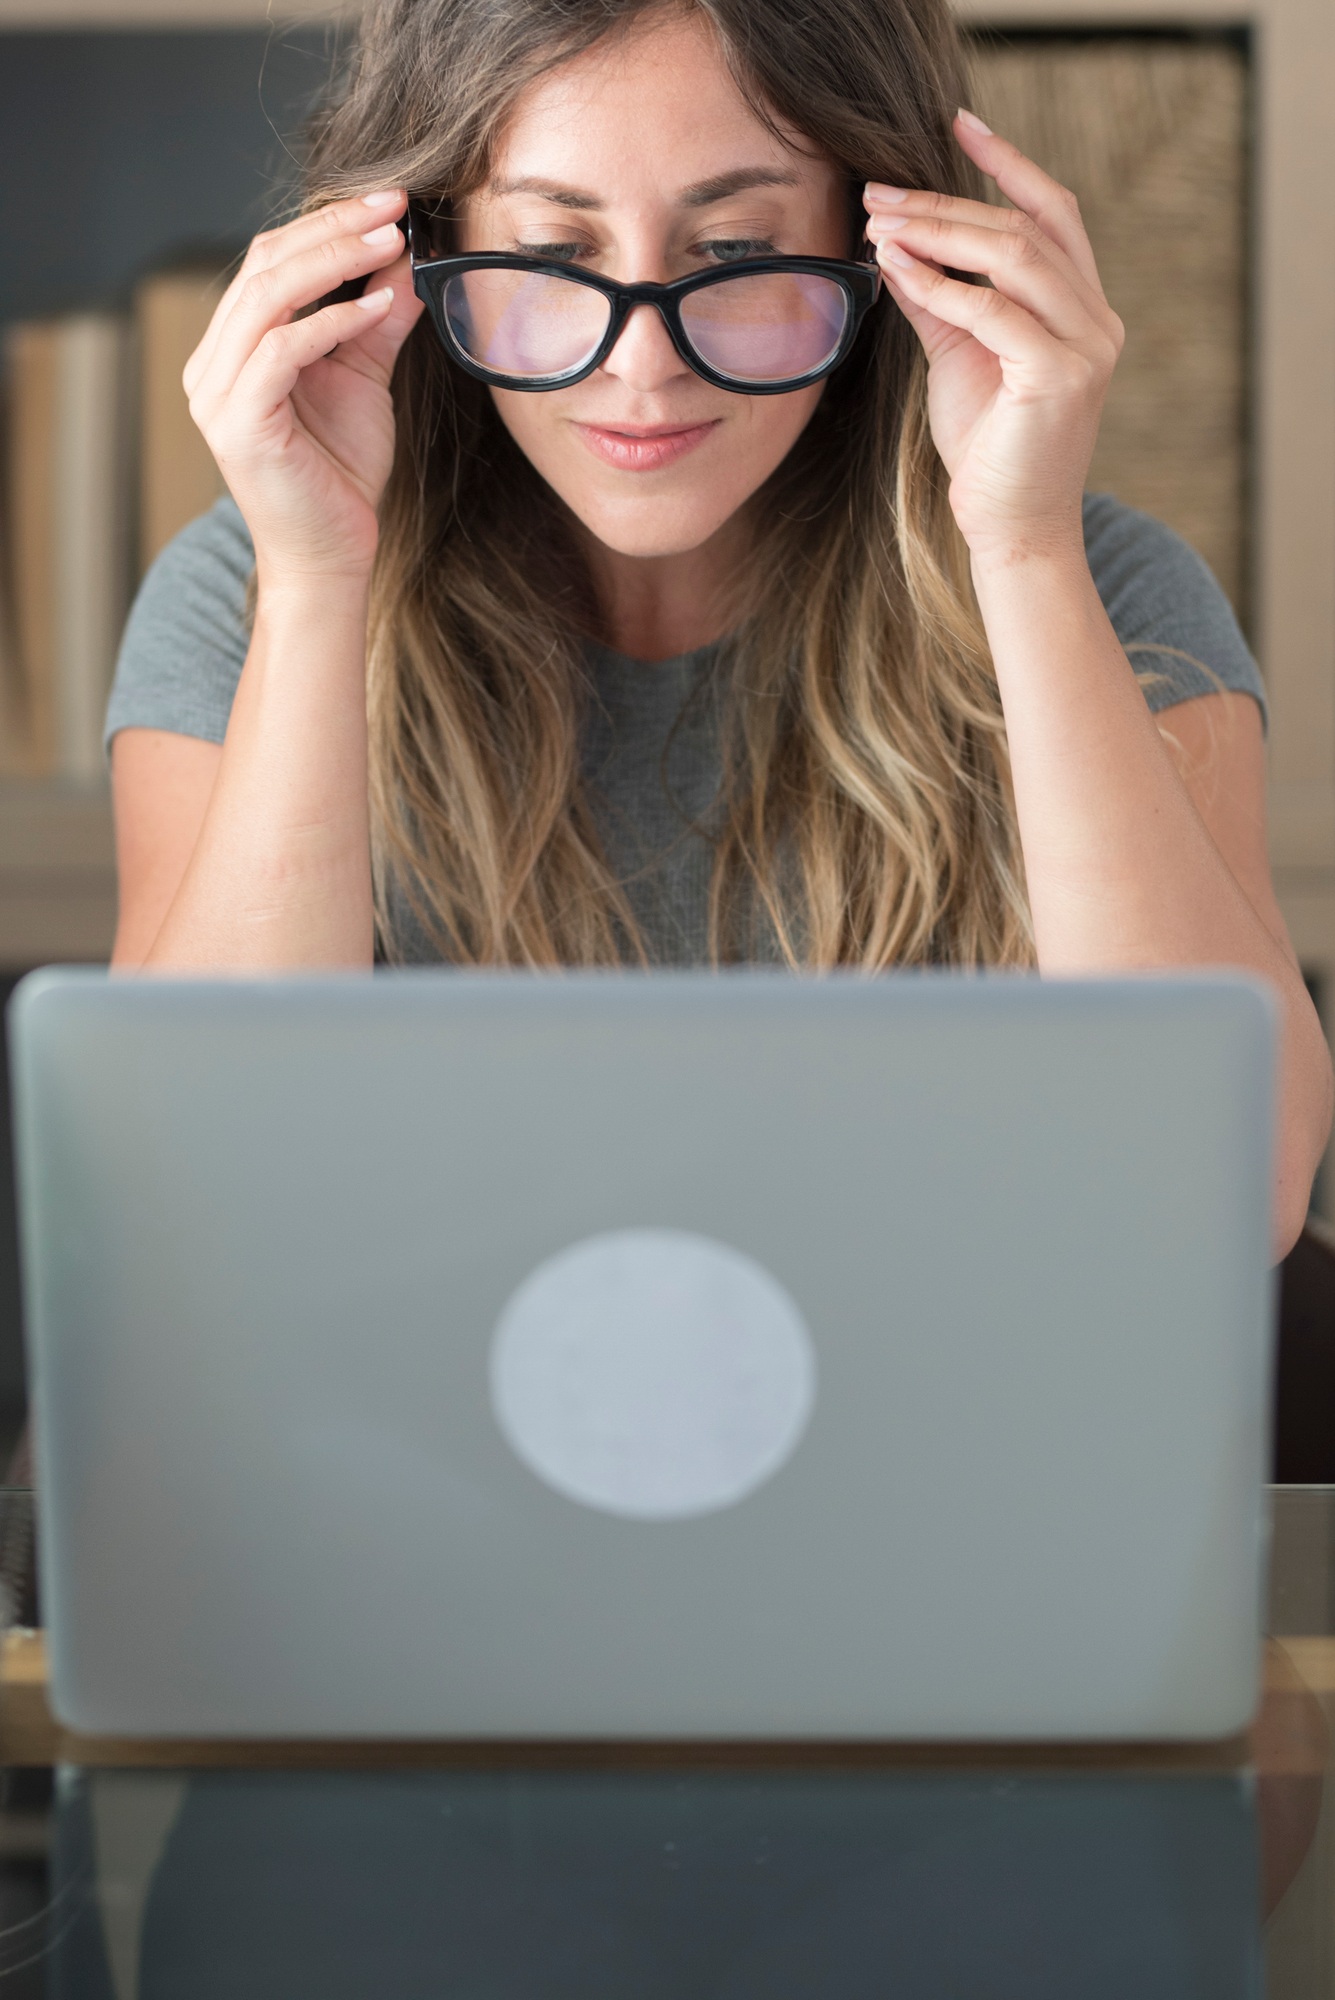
(760, 327)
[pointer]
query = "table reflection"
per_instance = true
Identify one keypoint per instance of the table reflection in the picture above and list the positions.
(511, 1885)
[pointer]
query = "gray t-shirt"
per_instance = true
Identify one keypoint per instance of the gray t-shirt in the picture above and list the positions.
(651, 755)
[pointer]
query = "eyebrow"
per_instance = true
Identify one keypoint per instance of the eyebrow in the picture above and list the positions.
(705, 193)
(701, 194)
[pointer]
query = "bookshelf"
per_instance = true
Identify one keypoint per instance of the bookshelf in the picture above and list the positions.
(144, 121)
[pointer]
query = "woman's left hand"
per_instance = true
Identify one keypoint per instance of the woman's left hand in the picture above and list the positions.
(1018, 368)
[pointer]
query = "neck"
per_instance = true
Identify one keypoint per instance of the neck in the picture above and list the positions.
(655, 607)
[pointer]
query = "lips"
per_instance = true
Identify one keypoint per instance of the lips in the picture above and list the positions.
(643, 448)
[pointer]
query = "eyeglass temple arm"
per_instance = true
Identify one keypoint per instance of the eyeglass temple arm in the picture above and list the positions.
(417, 226)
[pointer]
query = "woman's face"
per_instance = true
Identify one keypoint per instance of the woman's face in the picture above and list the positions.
(641, 160)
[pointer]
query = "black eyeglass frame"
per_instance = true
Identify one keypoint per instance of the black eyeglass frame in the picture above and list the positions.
(860, 283)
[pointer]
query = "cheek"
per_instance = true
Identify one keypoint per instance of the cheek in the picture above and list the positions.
(531, 422)
(665, 512)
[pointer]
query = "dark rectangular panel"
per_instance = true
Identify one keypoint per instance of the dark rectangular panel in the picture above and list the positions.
(121, 151)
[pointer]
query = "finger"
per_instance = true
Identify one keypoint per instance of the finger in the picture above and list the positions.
(273, 370)
(1053, 207)
(375, 349)
(352, 217)
(317, 268)
(1014, 258)
(349, 218)
(994, 321)
(270, 298)
(937, 335)
(884, 203)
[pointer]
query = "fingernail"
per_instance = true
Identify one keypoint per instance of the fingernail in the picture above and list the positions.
(383, 197)
(897, 256)
(974, 124)
(385, 234)
(372, 301)
(877, 194)
(880, 223)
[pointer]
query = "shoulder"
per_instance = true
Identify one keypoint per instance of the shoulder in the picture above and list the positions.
(186, 640)
(1177, 626)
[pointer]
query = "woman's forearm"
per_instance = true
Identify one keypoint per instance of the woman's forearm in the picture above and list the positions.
(1122, 872)
(280, 878)
(291, 389)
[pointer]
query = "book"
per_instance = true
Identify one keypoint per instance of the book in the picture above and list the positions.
(94, 526)
(32, 366)
(104, 466)
(178, 477)
(70, 512)
(11, 688)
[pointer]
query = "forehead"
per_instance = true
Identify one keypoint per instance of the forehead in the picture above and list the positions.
(649, 110)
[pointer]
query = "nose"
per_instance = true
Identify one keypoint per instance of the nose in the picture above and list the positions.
(644, 357)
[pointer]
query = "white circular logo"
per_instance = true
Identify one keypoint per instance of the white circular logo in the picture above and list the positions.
(652, 1373)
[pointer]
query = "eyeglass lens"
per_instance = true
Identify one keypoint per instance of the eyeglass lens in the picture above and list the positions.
(525, 322)
(766, 327)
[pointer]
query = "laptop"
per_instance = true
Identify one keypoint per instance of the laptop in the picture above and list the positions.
(683, 1356)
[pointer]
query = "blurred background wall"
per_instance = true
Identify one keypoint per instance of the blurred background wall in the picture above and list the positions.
(143, 141)
(1153, 133)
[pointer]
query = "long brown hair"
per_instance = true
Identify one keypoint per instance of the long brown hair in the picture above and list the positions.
(866, 811)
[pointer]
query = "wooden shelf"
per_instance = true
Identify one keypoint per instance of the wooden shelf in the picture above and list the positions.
(1282, 1738)
(57, 872)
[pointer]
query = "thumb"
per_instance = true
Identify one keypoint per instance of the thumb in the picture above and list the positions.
(378, 348)
(936, 336)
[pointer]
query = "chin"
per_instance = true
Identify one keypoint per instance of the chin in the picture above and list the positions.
(648, 528)
(645, 541)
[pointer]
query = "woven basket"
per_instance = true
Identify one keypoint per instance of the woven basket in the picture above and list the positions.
(1152, 137)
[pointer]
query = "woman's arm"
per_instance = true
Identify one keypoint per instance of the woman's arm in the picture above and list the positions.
(1133, 860)
(257, 857)
(161, 784)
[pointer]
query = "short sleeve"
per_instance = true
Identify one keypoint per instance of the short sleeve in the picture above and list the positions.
(1175, 623)
(186, 640)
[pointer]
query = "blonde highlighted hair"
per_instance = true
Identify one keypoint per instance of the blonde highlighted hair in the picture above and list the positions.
(866, 815)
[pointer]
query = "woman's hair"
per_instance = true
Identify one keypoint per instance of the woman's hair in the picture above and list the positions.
(866, 811)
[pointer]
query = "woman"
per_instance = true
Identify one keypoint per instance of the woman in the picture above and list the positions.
(823, 666)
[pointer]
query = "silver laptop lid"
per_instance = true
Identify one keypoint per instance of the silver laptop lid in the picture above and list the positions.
(622, 1355)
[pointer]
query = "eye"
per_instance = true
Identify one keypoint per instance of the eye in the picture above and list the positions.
(731, 249)
(561, 253)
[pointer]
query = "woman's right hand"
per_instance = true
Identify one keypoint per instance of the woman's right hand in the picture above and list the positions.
(297, 412)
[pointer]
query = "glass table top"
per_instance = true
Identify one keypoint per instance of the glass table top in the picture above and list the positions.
(1199, 1876)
